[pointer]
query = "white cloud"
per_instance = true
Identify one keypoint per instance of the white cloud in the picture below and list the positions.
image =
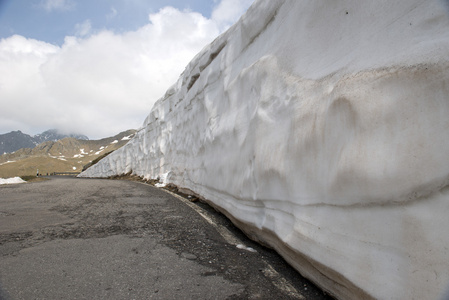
(227, 12)
(102, 83)
(83, 29)
(21, 84)
(50, 5)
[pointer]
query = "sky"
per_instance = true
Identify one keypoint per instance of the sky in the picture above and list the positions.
(96, 67)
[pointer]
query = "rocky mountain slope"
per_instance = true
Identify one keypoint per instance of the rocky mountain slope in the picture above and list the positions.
(15, 140)
(65, 155)
(320, 128)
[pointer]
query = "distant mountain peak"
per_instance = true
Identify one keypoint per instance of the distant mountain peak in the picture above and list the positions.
(15, 140)
(54, 135)
(66, 154)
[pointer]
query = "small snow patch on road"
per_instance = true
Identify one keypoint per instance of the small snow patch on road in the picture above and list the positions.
(13, 180)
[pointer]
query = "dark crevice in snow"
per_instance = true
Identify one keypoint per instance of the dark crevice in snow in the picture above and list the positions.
(212, 56)
(193, 79)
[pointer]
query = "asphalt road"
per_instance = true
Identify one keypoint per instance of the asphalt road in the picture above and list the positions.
(69, 238)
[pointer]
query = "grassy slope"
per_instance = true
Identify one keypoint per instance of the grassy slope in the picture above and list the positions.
(62, 156)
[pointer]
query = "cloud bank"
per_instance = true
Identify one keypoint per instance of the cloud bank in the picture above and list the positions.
(100, 82)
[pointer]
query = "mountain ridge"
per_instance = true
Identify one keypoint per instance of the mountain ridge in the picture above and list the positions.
(63, 155)
(15, 140)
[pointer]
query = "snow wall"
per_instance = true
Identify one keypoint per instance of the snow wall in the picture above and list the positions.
(322, 129)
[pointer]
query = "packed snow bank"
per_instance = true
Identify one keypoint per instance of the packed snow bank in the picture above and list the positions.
(322, 129)
(12, 180)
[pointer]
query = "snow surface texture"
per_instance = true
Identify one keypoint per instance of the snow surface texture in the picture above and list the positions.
(321, 128)
(12, 180)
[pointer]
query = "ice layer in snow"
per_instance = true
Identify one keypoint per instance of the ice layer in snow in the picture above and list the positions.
(322, 129)
(12, 180)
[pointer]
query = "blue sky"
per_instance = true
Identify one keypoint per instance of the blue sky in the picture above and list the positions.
(96, 67)
(52, 20)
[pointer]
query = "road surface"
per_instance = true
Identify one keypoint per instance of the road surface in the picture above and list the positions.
(70, 238)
